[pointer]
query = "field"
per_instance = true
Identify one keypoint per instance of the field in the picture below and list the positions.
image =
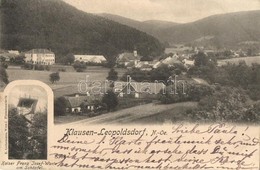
(248, 60)
(68, 83)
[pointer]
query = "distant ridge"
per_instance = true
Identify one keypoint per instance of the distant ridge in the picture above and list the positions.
(223, 29)
(150, 26)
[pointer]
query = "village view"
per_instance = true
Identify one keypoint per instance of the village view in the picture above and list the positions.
(107, 72)
(195, 78)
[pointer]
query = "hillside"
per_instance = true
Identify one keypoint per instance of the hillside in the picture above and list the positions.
(152, 27)
(55, 25)
(217, 30)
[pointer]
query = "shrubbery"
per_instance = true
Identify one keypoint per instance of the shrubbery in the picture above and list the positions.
(29, 66)
(60, 106)
(54, 77)
(227, 104)
(184, 91)
(3, 75)
(23, 136)
(79, 66)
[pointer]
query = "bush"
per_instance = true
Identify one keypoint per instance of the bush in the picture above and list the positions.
(227, 104)
(198, 91)
(54, 77)
(254, 92)
(39, 67)
(79, 66)
(62, 69)
(3, 75)
(112, 75)
(79, 70)
(110, 100)
(5, 65)
(60, 106)
(28, 66)
(184, 91)
(137, 75)
(47, 68)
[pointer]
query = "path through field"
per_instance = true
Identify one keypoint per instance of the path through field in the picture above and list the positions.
(135, 114)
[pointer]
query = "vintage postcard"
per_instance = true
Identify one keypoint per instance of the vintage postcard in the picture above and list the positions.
(130, 84)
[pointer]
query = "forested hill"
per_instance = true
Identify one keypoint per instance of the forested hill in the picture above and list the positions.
(222, 30)
(219, 30)
(55, 25)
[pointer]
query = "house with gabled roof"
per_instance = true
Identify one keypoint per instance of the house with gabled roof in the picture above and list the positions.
(169, 61)
(128, 58)
(81, 103)
(145, 65)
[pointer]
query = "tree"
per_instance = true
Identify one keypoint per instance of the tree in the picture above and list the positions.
(201, 59)
(240, 74)
(19, 60)
(38, 140)
(18, 134)
(184, 91)
(59, 106)
(79, 66)
(54, 77)
(110, 99)
(3, 75)
(137, 75)
(226, 104)
(204, 67)
(69, 59)
(161, 73)
(111, 62)
(112, 75)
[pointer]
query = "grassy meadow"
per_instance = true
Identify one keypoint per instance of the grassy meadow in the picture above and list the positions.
(68, 83)
(248, 60)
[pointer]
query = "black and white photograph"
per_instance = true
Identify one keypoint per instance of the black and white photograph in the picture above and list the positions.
(137, 62)
(129, 84)
(27, 122)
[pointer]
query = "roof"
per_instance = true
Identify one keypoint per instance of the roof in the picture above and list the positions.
(26, 102)
(76, 101)
(90, 58)
(157, 64)
(140, 87)
(124, 57)
(13, 52)
(130, 64)
(7, 55)
(145, 64)
(171, 61)
(39, 51)
(188, 62)
(26, 105)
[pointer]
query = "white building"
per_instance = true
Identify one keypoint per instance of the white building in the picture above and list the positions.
(90, 58)
(40, 56)
(188, 63)
(15, 52)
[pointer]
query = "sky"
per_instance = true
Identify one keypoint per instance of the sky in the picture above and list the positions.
(181, 11)
(32, 91)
